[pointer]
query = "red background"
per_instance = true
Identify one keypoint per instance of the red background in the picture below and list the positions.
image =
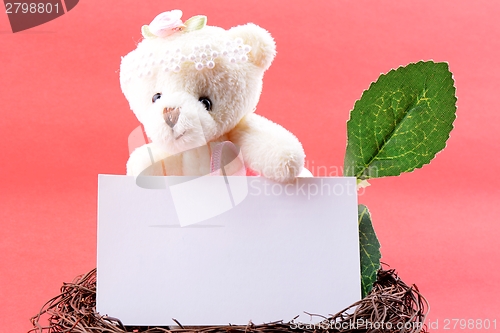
(64, 120)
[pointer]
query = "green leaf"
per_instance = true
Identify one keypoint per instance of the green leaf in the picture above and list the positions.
(195, 23)
(146, 33)
(401, 122)
(369, 247)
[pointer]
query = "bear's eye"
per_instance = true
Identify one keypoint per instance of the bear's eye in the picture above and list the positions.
(156, 97)
(206, 102)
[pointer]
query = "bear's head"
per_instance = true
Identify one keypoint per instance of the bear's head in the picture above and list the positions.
(189, 84)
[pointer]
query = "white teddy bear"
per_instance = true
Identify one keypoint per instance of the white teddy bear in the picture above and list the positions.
(192, 85)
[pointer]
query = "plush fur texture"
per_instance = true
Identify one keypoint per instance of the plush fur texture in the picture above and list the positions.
(233, 87)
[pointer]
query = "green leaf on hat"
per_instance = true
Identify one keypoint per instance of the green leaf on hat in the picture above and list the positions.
(195, 23)
(146, 33)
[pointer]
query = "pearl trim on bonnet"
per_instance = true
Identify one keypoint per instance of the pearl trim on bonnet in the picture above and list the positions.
(201, 56)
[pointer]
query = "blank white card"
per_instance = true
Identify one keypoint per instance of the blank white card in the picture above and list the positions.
(218, 250)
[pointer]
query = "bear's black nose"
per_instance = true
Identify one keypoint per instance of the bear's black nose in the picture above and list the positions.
(171, 115)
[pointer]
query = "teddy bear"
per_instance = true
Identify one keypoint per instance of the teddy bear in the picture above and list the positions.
(193, 86)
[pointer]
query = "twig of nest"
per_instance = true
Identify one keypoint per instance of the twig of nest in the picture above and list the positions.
(391, 306)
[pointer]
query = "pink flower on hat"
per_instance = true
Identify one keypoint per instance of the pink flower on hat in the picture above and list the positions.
(167, 23)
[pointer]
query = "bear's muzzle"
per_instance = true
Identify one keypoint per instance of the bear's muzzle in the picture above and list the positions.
(171, 116)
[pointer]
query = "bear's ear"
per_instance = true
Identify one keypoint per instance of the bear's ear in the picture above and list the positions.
(263, 46)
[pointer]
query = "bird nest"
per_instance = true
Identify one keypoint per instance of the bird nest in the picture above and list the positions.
(391, 306)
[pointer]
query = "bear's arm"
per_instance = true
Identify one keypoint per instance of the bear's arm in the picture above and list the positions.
(268, 148)
(152, 161)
